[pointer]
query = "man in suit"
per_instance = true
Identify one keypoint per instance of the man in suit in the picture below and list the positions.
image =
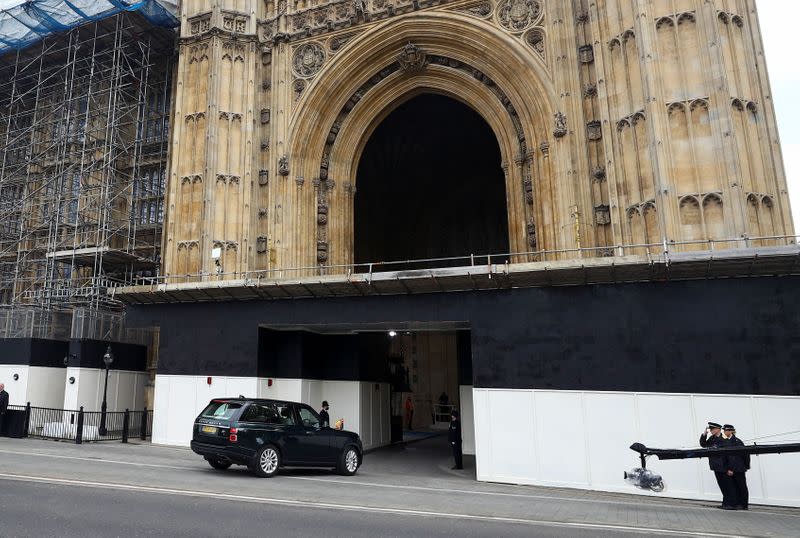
(325, 418)
(3, 405)
(736, 467)
(712, 438)
(454, 436)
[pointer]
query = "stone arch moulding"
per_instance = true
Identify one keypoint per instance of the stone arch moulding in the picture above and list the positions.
(511, 91)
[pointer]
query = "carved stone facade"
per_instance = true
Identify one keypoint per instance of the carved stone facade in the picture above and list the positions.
(620, 122)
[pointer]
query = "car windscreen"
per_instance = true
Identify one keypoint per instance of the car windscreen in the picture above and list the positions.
(221, 410)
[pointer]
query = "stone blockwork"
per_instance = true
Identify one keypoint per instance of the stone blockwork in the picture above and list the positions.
(619, 121)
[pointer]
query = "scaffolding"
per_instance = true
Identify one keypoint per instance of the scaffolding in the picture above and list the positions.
(84, 127)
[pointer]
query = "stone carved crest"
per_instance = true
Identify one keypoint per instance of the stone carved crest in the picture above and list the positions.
(322, 213)
(527, 185)
(594, 130)
(586, 54)
(482, 9)
(560, 121)
(360, 8)
(308, 59)
(530, 228)
(336, 43)
(517, 15)
(199, 25)
(283, 165)
(298, 88)
(322, 251)
(602, 215)
(535, 38)
(412, 58)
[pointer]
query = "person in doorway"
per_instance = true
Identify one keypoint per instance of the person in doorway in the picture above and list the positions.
(737, 465)
(409, 412)
(712, 438)
(3, 405)
(324, 417)
(454, 436)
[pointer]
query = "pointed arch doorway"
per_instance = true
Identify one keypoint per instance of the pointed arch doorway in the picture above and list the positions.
(430, 185)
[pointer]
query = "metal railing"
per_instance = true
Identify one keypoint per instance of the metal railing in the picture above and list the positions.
(79, 425)
(652, 251)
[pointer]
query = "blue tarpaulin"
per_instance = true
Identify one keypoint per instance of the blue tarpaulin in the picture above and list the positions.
(26, 23)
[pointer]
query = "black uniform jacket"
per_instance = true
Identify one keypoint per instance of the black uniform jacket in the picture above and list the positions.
(3, 401)
(715, 463)
(737, 463)
(325, 418)
(454, 434)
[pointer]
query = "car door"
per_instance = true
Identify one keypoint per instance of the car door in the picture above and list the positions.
(292, 433)
(316, 441)
(271, 422)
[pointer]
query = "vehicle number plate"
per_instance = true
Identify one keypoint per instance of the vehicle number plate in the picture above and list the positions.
(209, 429)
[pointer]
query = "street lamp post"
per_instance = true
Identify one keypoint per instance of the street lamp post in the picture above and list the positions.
(108, 358)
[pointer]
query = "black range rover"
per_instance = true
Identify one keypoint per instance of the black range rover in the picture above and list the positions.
(266, 435)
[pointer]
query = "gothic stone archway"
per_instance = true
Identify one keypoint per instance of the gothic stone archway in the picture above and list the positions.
(430, 185)
(390, 65)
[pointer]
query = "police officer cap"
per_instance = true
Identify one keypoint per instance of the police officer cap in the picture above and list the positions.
(713, 425)
(324, 403)
(729, 428)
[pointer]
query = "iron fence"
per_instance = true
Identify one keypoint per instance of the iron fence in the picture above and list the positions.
(79, 425)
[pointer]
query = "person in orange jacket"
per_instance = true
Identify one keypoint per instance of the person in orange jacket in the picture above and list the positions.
(409, 411)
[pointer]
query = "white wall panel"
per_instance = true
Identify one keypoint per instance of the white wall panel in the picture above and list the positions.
(368, 431)
(467, 419)
(566, 422)
(484, 443)
(513, 433)
(668, 420)
(375, 425)
(179, 399)
(17, 390)
(182, 407)
(281, 389)
(559, 416)
(46, 386)
(161, 411)
(779, 473)
(125, 389)
(344, 398)
(609, 439)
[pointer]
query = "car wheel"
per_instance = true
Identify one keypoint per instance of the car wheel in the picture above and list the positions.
(348, 461)
(217, 464)
(266, 462)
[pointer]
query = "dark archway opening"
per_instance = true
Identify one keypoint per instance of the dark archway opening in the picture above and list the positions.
(430, 185)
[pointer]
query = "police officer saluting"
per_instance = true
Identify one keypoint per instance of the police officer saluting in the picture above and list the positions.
(454, 436)
(711, 438)
(736, 467)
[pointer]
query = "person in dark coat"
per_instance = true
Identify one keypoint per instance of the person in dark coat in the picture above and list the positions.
(3, 405)
(324, 417)
(712, 438)
(737, 465)
(454, 436)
